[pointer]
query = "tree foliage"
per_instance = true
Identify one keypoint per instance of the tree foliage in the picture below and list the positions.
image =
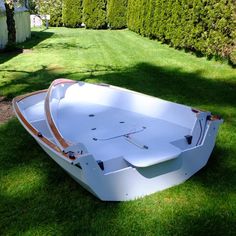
(94, 12)
(48, 7)
(117, 14)
(72, 13)
(198, 25)
(55, 11)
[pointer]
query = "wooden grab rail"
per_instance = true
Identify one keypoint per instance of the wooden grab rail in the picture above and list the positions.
(33, 131)
(30, 128)
(64, 144)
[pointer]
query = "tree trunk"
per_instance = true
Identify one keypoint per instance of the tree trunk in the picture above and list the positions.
(10, 24)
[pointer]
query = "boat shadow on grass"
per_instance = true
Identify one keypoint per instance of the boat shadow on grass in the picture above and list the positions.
(37, 196)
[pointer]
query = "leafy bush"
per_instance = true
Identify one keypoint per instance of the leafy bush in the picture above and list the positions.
(205, 26)
(72, 13)
(116, 13)
(94, 12)
(55, 11)
(48, 7)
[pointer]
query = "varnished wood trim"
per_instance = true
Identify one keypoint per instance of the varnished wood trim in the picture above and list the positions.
(51, 123)
(30, 128)
(21, 97)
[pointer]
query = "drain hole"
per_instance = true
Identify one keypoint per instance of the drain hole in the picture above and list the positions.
(122, 122)
(91, 115)
(93, 128)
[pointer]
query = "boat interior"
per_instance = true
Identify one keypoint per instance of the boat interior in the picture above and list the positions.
(114, 124)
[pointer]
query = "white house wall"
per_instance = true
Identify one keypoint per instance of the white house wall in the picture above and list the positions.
(22, 21)
(3, 30)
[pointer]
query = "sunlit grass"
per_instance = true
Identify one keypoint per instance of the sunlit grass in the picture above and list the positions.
(38, 198)
(20, 181)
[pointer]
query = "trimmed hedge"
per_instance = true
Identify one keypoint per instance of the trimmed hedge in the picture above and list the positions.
(72, 13)
(198, 25)
(117, 13)
(55, 12)
(95, 13)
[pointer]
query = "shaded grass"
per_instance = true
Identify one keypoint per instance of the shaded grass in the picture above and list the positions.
(37, 197)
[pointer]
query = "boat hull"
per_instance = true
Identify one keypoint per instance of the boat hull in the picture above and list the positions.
(124, 177)
(129, 182)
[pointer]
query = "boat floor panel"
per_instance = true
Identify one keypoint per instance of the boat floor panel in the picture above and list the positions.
(109, 132)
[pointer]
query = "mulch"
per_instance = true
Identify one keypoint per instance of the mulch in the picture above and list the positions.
(6, 110)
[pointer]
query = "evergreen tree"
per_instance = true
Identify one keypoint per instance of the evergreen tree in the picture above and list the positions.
(72, 13)
(94, 12)
(117, 13)
(203, 26)
(55, 13)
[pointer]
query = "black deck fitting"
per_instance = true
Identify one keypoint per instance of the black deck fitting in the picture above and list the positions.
(40, 135)
(71, 155)
(101, 165)
(208, 117)
(189, 138)
(195, 110)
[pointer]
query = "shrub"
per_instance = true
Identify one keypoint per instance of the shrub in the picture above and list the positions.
(94, 13)
(205, 26)
(56, 13)
(133, 15)
(116, 13)
(50, 7)
(72, 13)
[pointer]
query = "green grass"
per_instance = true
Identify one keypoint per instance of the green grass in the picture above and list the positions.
(38, 198)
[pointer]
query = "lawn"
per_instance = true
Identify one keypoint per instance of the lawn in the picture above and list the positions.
(38, 198)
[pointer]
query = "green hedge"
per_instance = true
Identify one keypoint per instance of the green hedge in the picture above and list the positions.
(55, 11)
(198, 25)
(116, 13)
(72, 13)
(94, 12)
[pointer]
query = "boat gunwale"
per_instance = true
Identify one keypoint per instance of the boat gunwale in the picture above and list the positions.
(64, 144)
(34, 132)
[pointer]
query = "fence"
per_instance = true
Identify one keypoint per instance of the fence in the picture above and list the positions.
(22, 21)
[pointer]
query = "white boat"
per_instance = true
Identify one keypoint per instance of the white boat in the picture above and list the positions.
(118, 144)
